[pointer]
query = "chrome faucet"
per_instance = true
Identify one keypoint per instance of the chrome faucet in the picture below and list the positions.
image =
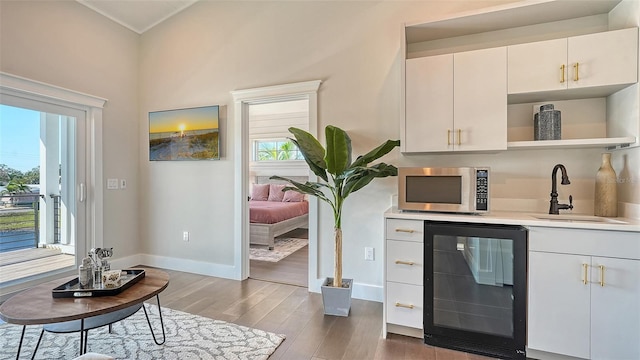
(555, 207)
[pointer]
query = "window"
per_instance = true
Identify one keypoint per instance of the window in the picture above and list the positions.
(276, 150)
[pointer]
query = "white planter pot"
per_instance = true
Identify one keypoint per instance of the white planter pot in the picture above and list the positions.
(337, 301)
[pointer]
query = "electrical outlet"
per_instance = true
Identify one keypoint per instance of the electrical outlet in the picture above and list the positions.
(368, 253)
(123, 184)
(185, 236)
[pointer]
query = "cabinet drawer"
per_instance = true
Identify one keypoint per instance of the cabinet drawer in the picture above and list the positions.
(404, 261)
(619, 244)
(410, 230)
(404, 305)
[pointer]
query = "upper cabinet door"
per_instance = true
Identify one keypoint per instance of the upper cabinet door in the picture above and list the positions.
(537, 66)
(480, 100)
(608, 58)
(429, 103)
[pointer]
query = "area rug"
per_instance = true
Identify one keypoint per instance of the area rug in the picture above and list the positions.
(188, 337)
(282, 248)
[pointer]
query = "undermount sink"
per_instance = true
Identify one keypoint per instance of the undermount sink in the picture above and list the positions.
(578, 218)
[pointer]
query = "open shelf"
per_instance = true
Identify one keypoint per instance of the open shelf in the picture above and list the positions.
(573, 143)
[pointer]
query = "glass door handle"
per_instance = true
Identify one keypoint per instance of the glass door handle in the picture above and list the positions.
(81, 192)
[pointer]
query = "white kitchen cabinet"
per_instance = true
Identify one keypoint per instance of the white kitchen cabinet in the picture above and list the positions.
(603, 59)
(615, 315)
(429, 103)
(457, 102)
(576, 62)
(537, 66)
(559, 304)
(584, 293)
(404, 272)
(545, 40)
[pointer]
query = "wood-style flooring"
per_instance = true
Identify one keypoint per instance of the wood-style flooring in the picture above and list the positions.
(292, 270)
(18, 264)
(297, 313)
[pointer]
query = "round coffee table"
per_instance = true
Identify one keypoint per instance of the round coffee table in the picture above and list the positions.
(37, 306)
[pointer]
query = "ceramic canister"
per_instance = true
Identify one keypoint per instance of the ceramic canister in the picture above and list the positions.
(547, 123)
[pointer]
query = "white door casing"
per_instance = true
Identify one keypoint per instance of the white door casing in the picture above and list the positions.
(242, 99)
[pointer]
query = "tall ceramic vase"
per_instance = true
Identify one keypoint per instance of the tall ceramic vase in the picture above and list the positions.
(606, 196)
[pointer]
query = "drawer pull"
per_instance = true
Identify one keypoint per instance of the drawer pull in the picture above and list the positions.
(410, 231)
(402, 262)
(410, 306)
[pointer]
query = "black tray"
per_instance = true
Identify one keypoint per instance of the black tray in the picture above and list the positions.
(71, 289)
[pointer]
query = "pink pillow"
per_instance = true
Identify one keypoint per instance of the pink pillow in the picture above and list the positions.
(275, 192)
(260, 192)
(292, 196)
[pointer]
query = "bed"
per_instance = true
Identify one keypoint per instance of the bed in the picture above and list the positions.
(271, 215)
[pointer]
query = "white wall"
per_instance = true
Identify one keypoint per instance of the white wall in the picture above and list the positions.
(65, 44)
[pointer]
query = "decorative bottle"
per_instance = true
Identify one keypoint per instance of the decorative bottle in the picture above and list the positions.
(606, 195)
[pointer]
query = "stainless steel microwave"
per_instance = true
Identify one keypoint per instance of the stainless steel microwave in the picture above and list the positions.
(440, 189)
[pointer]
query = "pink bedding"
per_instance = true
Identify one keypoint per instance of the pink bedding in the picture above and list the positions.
(271, 212)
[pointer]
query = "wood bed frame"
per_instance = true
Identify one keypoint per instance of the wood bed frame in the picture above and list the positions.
(264, 234)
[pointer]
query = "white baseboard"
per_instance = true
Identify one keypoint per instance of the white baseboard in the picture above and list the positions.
(126, 262)
(187, 265)
(367, 292)
(360, 291)
(543, 355)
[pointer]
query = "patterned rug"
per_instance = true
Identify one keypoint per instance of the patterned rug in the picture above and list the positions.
(188, 337)
(282, 248)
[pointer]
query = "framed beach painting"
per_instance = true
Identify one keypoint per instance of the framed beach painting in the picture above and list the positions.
(185, 134)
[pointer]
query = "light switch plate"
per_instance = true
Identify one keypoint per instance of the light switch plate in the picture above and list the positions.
(368, 253)
(112, 184)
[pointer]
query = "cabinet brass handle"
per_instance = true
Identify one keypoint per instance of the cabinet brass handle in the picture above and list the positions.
(601, 275)
(402, 262)
(448, 137)
(459, 136)
(585, 269)
(562, 69)
(576, 76)
(410, 306)
(410, 231)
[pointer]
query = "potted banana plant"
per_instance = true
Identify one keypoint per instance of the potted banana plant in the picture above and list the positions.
(339, 177)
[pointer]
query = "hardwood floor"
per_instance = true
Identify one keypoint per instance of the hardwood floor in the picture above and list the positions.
(292, 270)
(18, 264)
(297, 313)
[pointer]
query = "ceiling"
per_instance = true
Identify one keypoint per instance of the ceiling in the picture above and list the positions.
(137, 15)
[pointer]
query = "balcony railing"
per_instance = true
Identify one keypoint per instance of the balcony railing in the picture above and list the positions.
(20, 221)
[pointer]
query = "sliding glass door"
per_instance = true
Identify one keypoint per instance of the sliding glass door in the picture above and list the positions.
(42, 167)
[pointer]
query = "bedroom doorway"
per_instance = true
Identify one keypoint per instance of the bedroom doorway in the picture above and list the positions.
(285, 258)
(262, 117)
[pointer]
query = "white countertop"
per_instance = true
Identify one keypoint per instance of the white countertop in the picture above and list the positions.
(564, 220)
